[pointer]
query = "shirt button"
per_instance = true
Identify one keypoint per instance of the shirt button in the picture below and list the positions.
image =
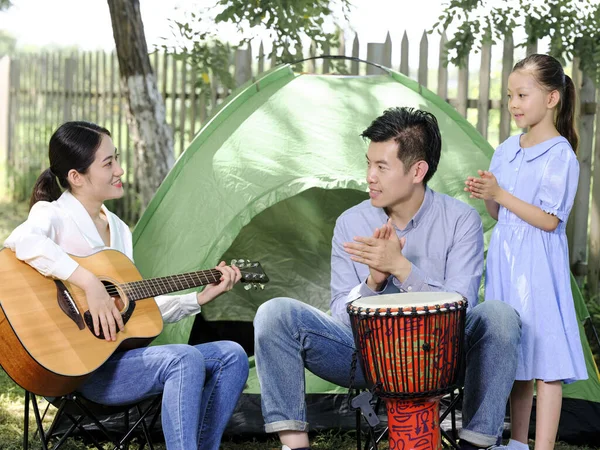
(409, 288)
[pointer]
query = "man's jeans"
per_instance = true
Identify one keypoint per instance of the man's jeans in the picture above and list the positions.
(291, 335)
(200, 386)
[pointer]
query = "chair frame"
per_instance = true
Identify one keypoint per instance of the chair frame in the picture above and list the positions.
(450, 436)
(83, 407)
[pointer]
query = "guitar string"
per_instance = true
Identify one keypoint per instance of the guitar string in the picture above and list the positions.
(136, 286)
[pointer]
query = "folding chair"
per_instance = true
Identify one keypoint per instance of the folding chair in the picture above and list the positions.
(449, 438)
(76, 409)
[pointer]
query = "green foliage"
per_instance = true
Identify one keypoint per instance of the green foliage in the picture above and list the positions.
(571, 25)
(203, 51)
(7, 43)
(5, 4)
(288, 21)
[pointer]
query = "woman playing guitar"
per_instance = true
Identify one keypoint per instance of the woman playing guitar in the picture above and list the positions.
(200, 384)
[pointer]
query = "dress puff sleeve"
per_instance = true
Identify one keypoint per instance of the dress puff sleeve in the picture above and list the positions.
(559, 184)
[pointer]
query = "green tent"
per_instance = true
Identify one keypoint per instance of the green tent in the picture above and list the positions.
(266, 178)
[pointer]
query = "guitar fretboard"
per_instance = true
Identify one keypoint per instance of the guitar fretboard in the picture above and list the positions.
(137, 290)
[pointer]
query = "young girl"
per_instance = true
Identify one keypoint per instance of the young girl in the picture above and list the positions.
(200, 384)
(529, 189)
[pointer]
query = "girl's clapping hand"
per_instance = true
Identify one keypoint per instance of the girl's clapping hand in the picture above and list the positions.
(485, 187)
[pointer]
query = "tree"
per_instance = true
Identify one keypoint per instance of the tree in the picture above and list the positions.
(5, 4)
(146, 116)
(287, 21)
(7, 43)
(571, 25)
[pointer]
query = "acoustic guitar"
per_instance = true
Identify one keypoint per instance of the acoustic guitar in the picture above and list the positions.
(47, 343)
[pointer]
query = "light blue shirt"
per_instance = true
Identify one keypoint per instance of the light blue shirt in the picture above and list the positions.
(444, 243)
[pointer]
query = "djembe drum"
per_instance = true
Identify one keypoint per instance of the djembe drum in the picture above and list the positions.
(410, 346)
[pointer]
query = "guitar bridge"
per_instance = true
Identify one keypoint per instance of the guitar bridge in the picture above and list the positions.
(67, 304)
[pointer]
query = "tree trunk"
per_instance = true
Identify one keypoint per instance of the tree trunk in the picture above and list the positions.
(152, 136)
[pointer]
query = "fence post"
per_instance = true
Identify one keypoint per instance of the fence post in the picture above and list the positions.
(423, 55)
(593, 273)
(442, 86)
(580, 212)
(483, 102)
(404, 55)
(462, 97)
(70, 67)
(507, 63)
(375, 54)
(387, 51)
(355, 54)
(243, 71)
(261, 59)
(4, 115)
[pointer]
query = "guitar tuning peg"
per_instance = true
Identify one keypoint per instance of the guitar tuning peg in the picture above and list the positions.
(255, 286)
(247, 287)
(262, 287)
(233, 262)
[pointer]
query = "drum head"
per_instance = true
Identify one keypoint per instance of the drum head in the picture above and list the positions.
(408, 299)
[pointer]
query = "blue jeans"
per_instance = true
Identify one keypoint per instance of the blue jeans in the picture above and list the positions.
(200, 386)
(291, 335)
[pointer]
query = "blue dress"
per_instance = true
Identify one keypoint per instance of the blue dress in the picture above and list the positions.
(528, 268)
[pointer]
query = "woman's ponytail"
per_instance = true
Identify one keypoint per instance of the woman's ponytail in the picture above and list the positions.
(46, 188)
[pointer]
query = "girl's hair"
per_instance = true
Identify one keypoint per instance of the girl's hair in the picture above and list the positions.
(72, 146)
(550, 74)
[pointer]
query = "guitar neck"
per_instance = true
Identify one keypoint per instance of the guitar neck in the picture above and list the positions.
(137, 290)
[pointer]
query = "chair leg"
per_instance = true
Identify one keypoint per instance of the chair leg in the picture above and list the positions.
(126, 417)
(26, 423)
(57, 417)
(38, 421)
(85, 410)
(451, 409)
(141, 421)
(358, 430)
(145, 430)
(78, 423)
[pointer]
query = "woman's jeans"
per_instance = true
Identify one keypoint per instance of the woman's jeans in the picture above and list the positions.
(200, 386)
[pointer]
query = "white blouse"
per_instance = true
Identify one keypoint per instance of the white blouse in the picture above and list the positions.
(55, 229)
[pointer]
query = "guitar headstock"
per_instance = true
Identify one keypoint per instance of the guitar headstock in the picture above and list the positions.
(252, 273)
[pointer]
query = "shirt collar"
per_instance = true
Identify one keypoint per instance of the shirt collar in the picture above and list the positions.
(532, 152)
(412, 223)
(425, 206)
(83, 220)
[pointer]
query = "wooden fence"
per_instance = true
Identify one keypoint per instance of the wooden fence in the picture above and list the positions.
(40, 91)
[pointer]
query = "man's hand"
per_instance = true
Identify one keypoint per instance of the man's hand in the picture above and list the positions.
(382, 253)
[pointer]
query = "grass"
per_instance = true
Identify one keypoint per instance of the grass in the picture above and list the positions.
(12, 398)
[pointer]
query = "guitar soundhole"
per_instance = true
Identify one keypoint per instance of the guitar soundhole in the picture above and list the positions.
(126, 310)
(114, 293)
